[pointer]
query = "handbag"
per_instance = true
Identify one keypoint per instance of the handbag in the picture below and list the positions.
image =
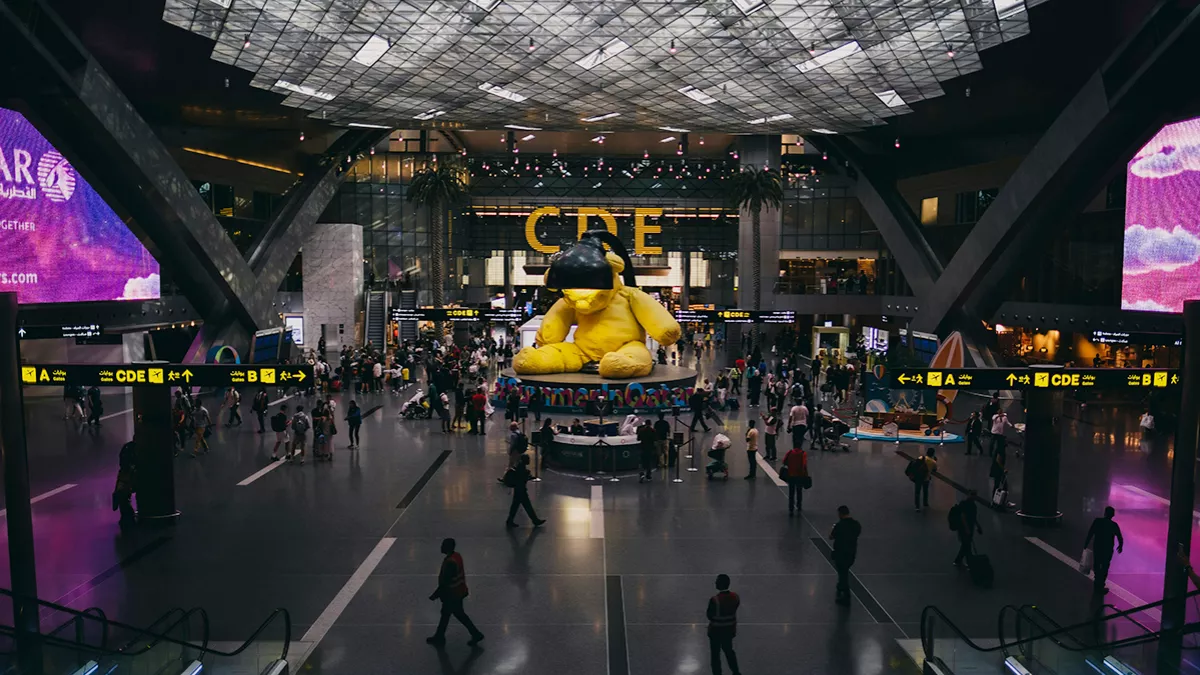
(806, 482)
(1086, 561)
(783, 472)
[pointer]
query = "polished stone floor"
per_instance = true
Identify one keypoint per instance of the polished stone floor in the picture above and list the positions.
(616, 582)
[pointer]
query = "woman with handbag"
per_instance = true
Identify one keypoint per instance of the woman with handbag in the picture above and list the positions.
(794, 470)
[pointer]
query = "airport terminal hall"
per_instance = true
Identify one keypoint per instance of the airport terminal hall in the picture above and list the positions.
(599, 337)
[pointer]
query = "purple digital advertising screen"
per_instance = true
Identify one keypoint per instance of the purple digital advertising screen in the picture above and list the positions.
(60, 241)
(1162, 221)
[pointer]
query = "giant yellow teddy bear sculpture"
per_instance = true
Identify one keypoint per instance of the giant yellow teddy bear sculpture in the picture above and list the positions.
(612, 323)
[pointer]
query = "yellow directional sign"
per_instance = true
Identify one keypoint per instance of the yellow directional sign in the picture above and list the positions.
(205, 375)
(1019, 378)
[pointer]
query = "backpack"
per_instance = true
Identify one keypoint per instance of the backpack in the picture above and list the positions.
(279, 422)
(300, 423)
(521, 443)
(915, 470)
(954, 518)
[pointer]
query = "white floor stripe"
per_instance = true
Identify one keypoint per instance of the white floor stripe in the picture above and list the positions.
(116, 414)
(44, 495)
(281, 400)
(261, 472)
(1131, 599)
(1150, 495)
(770, 471)
(597, 503)
(342, 600)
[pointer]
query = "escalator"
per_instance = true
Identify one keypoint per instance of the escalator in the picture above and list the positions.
(87, 642)
(376, 324)
(1032, 643)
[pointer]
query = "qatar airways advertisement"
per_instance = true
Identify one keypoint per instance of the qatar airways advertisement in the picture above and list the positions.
(59, 241)
(1162, 222)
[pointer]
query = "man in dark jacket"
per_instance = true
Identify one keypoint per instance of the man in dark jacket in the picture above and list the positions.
(722, 625)
(452, 590)
(845, 549)
(967, 527)
(698, 402)
(518, 479)
(1105, 532)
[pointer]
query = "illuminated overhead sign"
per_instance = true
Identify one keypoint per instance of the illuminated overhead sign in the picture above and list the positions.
(457, 314)
(640, 227)
(88, 330)
(177, 374)
(734, 316)
(1022, 378)
(1116, 337)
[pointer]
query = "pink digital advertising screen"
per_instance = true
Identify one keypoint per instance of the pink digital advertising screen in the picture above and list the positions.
(59, 241)
(1162, 221)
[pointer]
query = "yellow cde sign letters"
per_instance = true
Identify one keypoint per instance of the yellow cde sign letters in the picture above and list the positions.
(640, 227)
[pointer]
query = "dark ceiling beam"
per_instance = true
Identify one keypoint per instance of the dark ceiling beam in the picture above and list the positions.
(54, 79)
(898, 225)
(1117, 110)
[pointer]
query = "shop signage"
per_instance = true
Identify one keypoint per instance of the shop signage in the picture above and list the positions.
(465, 314)
(786, 316)
(1116, 337)
(1021, 378)
(176, 374)
(88, 330)
(640, 227)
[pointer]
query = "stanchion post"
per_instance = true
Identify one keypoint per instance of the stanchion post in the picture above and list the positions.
(678, 462)
(591, 473)
(612, 449)
(692, 453)
(23, 570)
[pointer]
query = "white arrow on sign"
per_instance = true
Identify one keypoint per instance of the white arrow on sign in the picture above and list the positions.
(21, 332)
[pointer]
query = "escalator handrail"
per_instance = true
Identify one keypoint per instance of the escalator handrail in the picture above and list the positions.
(1139, 624)
(165, 636)
(932, 610)
(90, 610)
(1024, 611)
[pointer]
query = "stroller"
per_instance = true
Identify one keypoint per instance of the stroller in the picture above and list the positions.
(417, 407)
(718, 464)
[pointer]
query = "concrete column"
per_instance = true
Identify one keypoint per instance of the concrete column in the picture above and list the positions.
(1043, 452)
(333, 281)
(508, 280)
(477, 290)
(685, 291)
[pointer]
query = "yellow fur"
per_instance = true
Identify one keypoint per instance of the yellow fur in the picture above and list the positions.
(611, 328)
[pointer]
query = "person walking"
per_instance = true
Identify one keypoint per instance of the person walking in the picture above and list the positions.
(798, 424)
(354, 423)
(232, 400)
(999, 424)
(754, 384)
(126, 485)
(662, 440)
(201, 421)
(95, 405)
(998, 472)
(647, 440)
(259, 407)
(1101, 536)
(452, 590)
(698, 402)
(966, 520)
(920, 471)
(517, 477)
(279, 424)
(974, 430)
(771, 427)
(479, 412)
(517, 444)
(752, 450)
(795, 470)
(460, 408)
(845, 548)
(301, 423)
(537, 401)
(722, 625)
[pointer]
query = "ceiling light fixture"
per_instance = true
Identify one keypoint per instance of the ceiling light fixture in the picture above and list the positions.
(303, 90)
(301, 136)
(645, 154)
(679, 149)
(672, 49)
(890, 98)
(519, 127)
(701, 140)
(610, 49)
(529, 137)
(950, 51)
(1007, 8)
(675, 130)
(531, 45)
(496, 90)
(247, 162)
(897, 142)
(486, 5)
(772, 118)
(555, 153)
(812, 49)
(831, 56)
(825, 156)
(364, 125)
(372, 151)
(246, 43)
(223, 3)
(372, 51)
(429, 114)
(668, 139)
(597, 139)
(748, 6)
(827, 132)
(599, 118)
(697, 95)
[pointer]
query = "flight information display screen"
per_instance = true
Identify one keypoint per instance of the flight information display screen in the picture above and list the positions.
(62, 242)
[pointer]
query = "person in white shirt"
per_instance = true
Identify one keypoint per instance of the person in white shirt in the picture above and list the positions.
(200, 423)
(771, 426)
(999, 424)
(377, 372)
(798, 424)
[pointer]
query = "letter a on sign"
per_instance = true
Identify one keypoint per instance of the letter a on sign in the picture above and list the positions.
(949, 379)
(44, 377)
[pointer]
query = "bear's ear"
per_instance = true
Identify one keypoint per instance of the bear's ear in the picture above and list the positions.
(615, 262)
(546, 279)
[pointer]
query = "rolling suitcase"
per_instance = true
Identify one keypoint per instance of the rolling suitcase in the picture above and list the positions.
(980, 568)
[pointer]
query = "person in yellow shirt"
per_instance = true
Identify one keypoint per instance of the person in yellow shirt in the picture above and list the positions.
(752, 450)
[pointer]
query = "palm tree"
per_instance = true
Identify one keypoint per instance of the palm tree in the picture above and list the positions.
(439, 188)
(752, 190)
